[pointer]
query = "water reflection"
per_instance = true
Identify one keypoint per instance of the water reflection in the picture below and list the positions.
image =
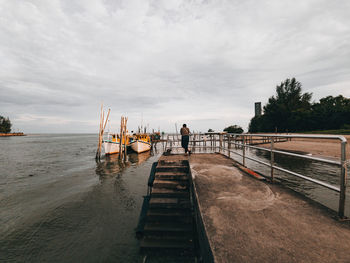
(135, 158)
(111, 165)
(314, 169)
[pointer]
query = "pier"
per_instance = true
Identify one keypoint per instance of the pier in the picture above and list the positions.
(240, 215)
(250, 220)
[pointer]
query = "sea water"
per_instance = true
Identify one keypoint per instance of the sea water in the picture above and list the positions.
(57, 204)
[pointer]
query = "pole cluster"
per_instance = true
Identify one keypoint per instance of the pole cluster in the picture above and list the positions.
(103, 123)
(123, 139)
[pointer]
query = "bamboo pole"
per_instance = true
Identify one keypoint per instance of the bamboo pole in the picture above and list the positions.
(121, 137)
(101, 132)
(103, 129)
(125, 130)
(98, 152)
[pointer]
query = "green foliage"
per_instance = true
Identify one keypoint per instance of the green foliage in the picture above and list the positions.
(210, 130)
(234, 129)
(5, 125)
(331, 113)
(290, 110)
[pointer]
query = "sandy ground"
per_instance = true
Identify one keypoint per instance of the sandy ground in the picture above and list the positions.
(251, 221)
(317, 147)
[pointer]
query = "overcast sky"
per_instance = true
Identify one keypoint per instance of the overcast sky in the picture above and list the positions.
(204, 63)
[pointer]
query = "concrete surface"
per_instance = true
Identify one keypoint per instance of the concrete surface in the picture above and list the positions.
(248, 220)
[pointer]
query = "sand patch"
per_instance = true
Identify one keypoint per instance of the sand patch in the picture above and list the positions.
(208, 171)
(243, 198)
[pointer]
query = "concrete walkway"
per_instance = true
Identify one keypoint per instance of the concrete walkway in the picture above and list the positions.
(248, 220)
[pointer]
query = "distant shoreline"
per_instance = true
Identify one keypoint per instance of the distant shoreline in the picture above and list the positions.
(12, 134)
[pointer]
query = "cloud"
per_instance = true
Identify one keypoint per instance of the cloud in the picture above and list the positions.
(170, 61)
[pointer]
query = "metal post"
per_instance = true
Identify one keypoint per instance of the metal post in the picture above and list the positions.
(220, 142)
(272, 159)
(166, 143)
(194, 141)
(343, 180)
(229, 146)
(243, 140)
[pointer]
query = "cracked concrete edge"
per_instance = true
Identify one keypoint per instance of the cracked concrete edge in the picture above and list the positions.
(201, 213)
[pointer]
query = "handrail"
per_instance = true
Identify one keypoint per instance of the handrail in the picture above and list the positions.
(242, 141)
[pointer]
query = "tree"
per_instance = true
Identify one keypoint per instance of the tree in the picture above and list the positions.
(257, 124)
(287, 110)
(233, 129)
(331, 113)
(291, 110)
(5, 125)
(210, 130)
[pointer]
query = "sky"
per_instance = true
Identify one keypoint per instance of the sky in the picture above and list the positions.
(161, 63)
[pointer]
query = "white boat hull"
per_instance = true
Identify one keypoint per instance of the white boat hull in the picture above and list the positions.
(111, 147)
(140, 146)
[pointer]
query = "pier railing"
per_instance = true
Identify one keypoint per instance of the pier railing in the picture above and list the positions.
(229, 143)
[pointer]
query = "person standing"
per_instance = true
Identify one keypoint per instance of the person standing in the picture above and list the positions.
(185, 138)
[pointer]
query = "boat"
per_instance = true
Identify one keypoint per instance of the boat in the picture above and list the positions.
(141, 143)
(112, 144)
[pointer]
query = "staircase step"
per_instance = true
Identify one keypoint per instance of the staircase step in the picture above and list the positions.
(172, 175)
(172, 178)
(166, 192)
(178, 203)
(168, 227)
(169, 216)
(172, 168)
(171, 184)
(150, 243)
(183, 162)
(170, 211)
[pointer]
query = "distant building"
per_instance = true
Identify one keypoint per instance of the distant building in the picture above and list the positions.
(257, 109)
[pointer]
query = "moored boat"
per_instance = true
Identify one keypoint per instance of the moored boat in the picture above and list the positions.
(112, 144)
(141, 143)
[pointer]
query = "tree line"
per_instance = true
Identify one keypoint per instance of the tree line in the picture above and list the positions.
(291, 110)
(5, 125)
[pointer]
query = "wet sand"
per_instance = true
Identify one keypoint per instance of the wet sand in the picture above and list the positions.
(318, 147)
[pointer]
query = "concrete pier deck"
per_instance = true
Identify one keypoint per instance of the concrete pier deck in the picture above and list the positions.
(248, 220)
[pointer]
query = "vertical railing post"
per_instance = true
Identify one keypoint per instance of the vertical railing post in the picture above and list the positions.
(272, 159)
(220, 142)
(229, 145)
(243, 141)
(166, 143)
(194, 141)
(343, 180)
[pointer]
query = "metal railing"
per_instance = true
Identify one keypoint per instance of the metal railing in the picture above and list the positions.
(213, 141)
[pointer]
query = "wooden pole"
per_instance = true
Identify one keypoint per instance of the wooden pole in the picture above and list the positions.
(125, 139)
(104, 127)
(98, 152)
(120, 137)
(101, 131)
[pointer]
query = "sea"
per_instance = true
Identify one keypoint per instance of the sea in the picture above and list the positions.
(57, 204)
